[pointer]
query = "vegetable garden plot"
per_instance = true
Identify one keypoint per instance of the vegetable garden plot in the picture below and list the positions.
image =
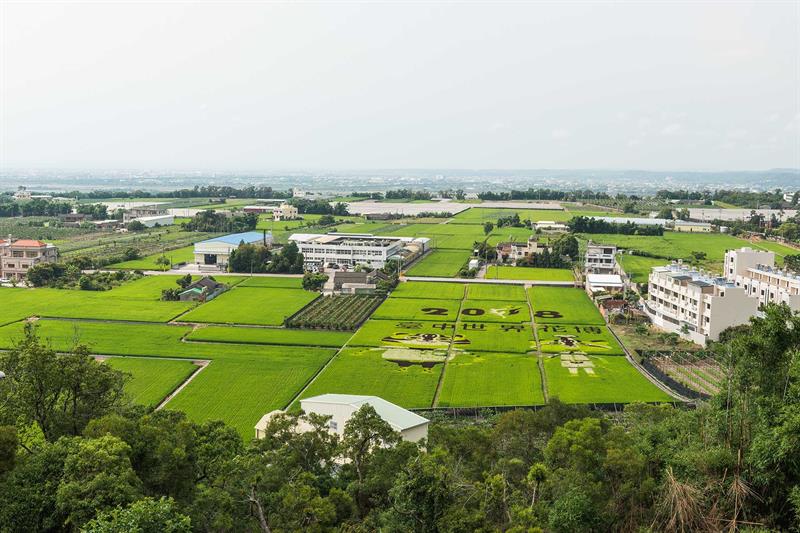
(559, 305)
(429, 289)
(495, 311)
(367, 371)
(418, 309)
(475, 379)
(151, 379)
(339, 312)
(575, 378)
(259, 306)
(560, 338)
(484, 291)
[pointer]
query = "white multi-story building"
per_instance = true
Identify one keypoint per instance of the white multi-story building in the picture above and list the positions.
(694, 305)
(284, 212)
(351, 249)
(600, 259)
(755, 272)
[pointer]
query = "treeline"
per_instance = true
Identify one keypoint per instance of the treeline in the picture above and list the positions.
(212, 222)
(257, 258)
(33, 208)
(545, 194)
(594, 225)
(209, 191)
(407, 194)
(76, 455)
(319, 207)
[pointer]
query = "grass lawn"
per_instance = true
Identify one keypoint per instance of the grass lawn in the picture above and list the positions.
(639, 267)
(779, 249)
(489, 379)
(277, 282)
(180, 255)
(557, 338)
(417, 309)
(429, 289)
(151, 379)
(479, 215)
(561, 305)
(484, 291)
(529, 273)
(365, 371)
(255, 305)
(291, 337)
(613, 380)
(441, 263)
(495, 311)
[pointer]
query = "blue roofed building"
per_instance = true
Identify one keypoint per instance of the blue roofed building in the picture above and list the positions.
(216, 252)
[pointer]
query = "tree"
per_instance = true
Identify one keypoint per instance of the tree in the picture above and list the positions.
(163, 262)
(135, 225)
(420, 495)
(144, 516)
(8, 448)
(250, 258)
(314, 282)
(666, 213)
(792, 262)
(97, 475)
(566, 246)
(487, 228)
(326, 220)
(59, 392)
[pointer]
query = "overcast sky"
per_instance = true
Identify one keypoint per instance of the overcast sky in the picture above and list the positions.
(299, 86)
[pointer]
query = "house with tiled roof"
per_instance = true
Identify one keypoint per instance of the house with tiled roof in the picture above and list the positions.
(17, 256)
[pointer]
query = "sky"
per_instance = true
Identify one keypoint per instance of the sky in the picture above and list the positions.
(268, 86)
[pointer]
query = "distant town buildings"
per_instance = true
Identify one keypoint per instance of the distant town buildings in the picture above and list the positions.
(215, 253)
(143, 211)
(17, 256)
(351, 249)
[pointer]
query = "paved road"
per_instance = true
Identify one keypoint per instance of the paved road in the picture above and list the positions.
(196, 272)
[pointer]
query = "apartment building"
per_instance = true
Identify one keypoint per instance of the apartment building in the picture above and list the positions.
(756, 273)
(600, 259)
(17, 256)
(694, 305)
(351, 249)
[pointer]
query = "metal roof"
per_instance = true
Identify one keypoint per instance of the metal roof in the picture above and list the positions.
(235, 238)
(394, 415)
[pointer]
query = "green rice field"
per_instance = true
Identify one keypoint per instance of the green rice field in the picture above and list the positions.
(558, 338)
(417, 309)
(366, 371)
(426, 289)
(529, 273)
(440, 263)
(289, 337)
(262, 306)
(485, 291)
(559, 305)
(152, 379)
(610, 380)
(471, 380)
(180, 255)
(495, 311)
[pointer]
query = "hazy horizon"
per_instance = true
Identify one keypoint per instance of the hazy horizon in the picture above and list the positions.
(257, 87)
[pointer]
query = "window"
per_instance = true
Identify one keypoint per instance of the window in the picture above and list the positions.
(334, 426)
